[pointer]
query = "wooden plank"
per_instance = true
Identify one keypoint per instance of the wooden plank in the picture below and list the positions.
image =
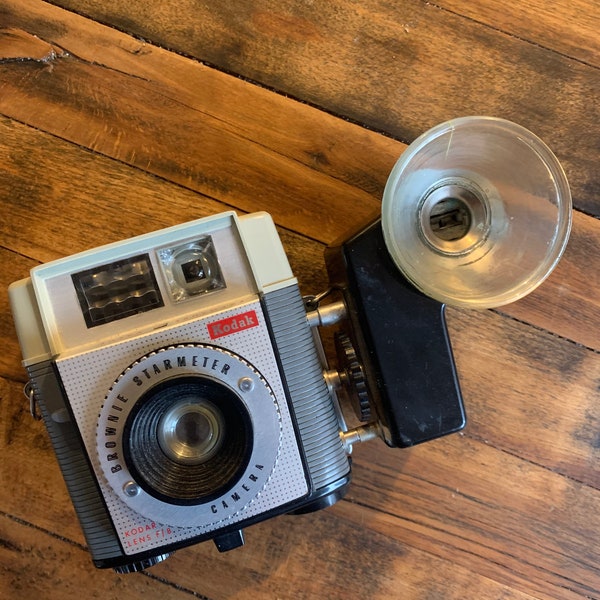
(100, 200)
(570, 28)
(528, 392)
(236, 139)
(311, 181)
(489, 512)
(35, 563)
(221, 165)
(65, 565)
(398, 67)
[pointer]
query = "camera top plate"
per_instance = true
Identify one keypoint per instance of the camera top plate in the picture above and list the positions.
(52, 321)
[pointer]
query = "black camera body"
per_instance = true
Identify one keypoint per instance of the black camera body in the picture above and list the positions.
(184, 388)
(394, 350)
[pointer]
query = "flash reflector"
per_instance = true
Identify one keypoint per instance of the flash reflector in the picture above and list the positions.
(477, 212)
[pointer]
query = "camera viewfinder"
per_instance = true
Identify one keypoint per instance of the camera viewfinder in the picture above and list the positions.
(193, 271)
(192, 268)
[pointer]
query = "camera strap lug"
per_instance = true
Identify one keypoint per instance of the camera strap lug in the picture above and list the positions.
(30, 395)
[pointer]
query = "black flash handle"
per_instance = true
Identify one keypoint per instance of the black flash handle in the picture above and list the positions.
(401, 340)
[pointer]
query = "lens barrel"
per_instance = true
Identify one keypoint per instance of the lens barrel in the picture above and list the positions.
(188, 439)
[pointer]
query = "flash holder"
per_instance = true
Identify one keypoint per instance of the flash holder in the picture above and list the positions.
(400, 339)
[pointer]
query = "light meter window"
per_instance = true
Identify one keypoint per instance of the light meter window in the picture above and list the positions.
(117, 290)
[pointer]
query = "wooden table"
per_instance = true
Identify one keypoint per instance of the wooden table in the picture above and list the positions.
(118, 118)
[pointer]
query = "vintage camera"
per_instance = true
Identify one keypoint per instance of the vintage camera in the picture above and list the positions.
(181, 377)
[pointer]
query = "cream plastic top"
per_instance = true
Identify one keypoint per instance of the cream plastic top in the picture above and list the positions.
(49, 318)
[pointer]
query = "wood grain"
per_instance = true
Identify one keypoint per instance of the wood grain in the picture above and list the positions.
(35, 562)
(230, 152)
(570, 29)
(118, 118)
(529, 393)
(401, 67)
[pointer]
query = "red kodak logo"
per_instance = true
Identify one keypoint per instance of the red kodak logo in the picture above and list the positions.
(223, 327)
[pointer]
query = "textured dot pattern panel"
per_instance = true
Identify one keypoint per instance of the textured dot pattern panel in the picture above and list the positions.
(88, 377)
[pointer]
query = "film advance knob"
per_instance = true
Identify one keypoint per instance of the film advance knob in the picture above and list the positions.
(352, 376)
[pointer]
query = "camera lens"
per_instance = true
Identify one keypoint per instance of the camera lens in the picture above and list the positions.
(191, 432)
(188, 440)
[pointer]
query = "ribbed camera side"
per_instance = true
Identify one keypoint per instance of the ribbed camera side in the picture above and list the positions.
(72, 459)
(303, 374)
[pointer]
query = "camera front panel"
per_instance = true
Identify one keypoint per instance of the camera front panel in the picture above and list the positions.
(163, 417)
(181, 386)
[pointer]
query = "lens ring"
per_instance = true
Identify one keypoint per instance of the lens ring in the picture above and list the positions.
(259, 411)
(178, 471)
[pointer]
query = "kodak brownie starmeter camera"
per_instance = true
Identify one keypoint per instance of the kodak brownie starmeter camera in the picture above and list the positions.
(181, 377)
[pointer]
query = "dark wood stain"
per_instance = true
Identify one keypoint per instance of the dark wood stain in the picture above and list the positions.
(118, 118)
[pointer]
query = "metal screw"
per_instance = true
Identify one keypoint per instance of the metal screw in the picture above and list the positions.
(246, 384)
(131, 489)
